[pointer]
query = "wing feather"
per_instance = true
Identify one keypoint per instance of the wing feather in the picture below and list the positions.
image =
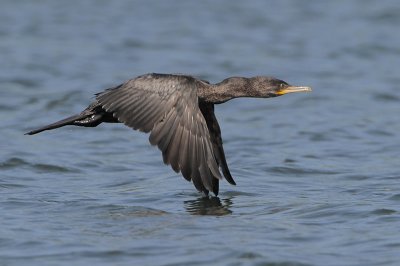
(184, 155)
(195, 165)
(167, 106)
(174, 147)
(216, 140)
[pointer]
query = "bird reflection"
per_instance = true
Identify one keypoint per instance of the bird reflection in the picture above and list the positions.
(208, 206)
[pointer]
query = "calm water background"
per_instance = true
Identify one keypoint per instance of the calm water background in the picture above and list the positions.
(318, 174)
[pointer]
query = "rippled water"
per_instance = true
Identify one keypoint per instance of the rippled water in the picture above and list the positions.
(318, 174)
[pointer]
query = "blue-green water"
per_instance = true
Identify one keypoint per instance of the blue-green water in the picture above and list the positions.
(318, 174)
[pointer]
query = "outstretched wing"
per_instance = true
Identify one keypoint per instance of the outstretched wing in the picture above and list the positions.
(207, 110)
(167, 106)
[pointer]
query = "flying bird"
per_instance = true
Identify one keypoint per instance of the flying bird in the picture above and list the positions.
(178, 112)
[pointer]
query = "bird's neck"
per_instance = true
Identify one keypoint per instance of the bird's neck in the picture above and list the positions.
(226, 90)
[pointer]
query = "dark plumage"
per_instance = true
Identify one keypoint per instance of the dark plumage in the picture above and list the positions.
(178, 111)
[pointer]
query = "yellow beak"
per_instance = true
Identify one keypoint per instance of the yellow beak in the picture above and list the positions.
(291, 89)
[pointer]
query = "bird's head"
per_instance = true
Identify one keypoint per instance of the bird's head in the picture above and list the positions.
(266, 87)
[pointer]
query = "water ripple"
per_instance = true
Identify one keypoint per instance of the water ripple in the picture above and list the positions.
(383, 212)
(386, 97)
(299, 171)
(119, 211)
(16, 163)
(395, 197)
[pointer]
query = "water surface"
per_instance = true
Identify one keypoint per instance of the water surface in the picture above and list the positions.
(317, 174)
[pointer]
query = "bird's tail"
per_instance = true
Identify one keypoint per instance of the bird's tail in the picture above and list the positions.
(90, 117)
(64, 122)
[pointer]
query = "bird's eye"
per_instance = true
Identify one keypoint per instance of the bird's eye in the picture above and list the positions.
(281, 85)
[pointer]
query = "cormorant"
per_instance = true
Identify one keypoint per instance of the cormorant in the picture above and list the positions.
(178, 110)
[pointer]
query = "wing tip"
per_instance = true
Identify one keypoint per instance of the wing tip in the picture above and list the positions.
(228, 177)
